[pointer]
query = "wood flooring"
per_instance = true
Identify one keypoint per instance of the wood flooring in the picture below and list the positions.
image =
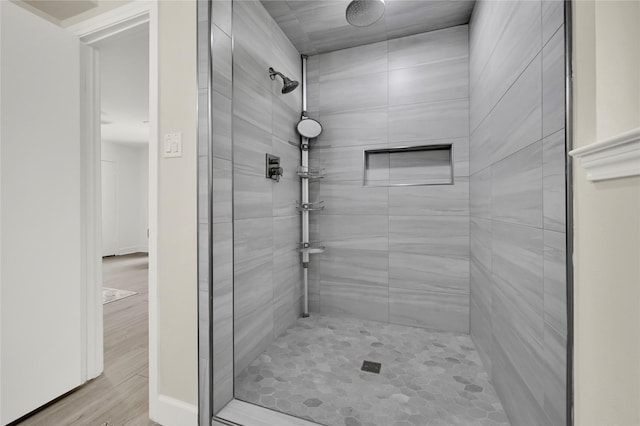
(120, 396)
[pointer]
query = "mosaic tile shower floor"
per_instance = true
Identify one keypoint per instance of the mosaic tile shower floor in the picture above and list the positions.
(313, 371)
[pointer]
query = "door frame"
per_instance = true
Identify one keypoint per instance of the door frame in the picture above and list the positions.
(91, 31)
(115, 207)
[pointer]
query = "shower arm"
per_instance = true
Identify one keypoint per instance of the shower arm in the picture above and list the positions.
(273, 73)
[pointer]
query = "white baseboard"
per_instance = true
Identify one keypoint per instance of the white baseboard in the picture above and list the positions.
(173, 412)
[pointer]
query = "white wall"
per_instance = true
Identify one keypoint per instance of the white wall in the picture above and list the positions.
(177, 206)
(132, 193)
(606, 218)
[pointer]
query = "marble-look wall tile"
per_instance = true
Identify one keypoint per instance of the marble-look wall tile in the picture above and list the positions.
(429, 272)
(222, 314)
(353, 62)
(516, 121)
(221, 62)
(251, 101)
(252, 27)
(352, 198)
(518, 275)
(481, 333)
(252, 195)
(406, 92)
(286, 197)
(518, 260)
(430, 47)
(366, 232)
(203, 189)
(414, 19)
(286, 58)
(554, 181)
(480, 194)
(433, 120)
(430, 82)
(552, 18)
(284, 122)
(434, 310)
(553, 83)
(250, 144)
(517, 399)
(555, 376)
(480, 242)
(361, 301)
(429, 253)
(482, 96)
(430, 199)
(286, 279)
(314, 284)
(516, 187)
(203, 122)
(221, 15)
(555, 276)
(520, 42)
(483, 33)
(267, 223)
(355, 92)
(221, 126)
(254, 67)
(354, 266)
(221, 205)
(342, 163)
(253, 289)
(222, 379)
(313, 86)
(214, 148)
(482, 289)
(481, 145)
(289, 153)
(521, 338)
(349, 128)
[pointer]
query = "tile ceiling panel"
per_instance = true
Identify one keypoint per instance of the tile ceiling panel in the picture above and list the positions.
(319, 26)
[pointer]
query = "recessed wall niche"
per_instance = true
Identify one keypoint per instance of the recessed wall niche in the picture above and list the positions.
(409, 166)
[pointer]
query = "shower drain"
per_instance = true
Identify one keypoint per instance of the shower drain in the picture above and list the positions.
(371, 367)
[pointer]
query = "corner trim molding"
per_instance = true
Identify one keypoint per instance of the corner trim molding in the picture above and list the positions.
(616, 157)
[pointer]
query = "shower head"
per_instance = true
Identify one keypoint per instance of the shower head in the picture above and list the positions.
(288, 85)
(362, 13)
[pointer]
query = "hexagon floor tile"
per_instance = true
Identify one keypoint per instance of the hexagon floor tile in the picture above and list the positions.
(313, 371)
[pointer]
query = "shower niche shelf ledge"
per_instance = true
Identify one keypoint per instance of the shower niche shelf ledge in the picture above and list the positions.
(409, 166)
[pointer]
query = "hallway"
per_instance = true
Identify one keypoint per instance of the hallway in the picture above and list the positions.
(120, 395)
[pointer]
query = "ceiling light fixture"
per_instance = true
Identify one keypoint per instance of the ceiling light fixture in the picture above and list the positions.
(362, 13)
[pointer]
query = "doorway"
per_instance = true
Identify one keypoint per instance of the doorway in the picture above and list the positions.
(89, 330)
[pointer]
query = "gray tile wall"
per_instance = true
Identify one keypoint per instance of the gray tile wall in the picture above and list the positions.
(215, 234)
(393, 254)
(517, 197)
(266, 225)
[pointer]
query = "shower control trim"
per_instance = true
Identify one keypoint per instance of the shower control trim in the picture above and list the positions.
(272, 165)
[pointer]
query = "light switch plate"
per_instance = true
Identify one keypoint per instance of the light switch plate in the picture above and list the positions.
(173, 145)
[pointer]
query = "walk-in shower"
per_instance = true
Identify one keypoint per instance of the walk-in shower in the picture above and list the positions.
(411, 268)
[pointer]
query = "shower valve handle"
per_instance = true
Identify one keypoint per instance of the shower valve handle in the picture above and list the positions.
(275, 173)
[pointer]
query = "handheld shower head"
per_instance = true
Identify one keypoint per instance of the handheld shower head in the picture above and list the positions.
(288, 84)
